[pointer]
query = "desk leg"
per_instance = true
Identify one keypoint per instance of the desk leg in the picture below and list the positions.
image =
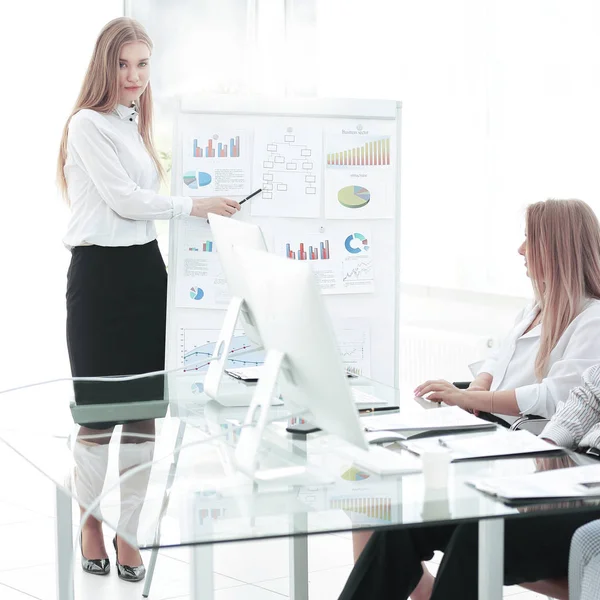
(299, 567)
(491, 558)
(202, 585)
(64, 545)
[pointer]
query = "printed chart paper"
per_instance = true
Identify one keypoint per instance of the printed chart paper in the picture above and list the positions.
(354, 342)
(216, 162)
(197, 345)
(288, 166)
(341, 256)
(359, 173)
(200, 279)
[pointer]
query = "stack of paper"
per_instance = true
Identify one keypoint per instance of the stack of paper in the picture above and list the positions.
(501, 442)
(557, 485)
(427, 422)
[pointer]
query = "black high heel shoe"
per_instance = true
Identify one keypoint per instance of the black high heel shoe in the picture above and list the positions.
(94, 566)
(127, 573)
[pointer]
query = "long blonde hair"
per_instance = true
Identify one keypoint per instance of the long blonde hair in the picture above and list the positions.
(100, 89)
(563, 258)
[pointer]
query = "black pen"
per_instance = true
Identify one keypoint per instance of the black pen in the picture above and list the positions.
(258, 191)
(364, 411)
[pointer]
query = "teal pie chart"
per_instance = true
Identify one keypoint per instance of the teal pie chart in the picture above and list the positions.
(196, 293)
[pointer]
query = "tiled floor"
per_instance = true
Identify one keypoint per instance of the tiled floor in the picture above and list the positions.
(248, 571)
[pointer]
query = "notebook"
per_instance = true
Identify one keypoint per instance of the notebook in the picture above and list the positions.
(556, 485)
(427, 422)
(485, 445)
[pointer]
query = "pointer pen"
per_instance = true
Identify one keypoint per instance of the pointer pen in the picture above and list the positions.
(258, 191)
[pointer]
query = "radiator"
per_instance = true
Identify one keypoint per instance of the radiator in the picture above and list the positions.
(440, 354)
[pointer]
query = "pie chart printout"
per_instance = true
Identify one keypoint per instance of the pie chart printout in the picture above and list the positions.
(354, 196)
(196, 179)
(196, 293)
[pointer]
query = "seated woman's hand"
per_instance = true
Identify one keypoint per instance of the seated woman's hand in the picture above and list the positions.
(440, 390)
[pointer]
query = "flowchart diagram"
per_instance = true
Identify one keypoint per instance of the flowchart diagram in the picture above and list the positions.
(288, 167)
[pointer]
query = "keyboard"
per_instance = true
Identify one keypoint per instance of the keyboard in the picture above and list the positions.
(382, 461)
(362, 397)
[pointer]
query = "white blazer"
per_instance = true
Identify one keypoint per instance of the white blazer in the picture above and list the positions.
(512, 364)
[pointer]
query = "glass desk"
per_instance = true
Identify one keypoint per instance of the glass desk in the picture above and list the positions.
(172, 481)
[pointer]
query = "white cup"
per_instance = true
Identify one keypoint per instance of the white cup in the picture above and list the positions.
(436, 466)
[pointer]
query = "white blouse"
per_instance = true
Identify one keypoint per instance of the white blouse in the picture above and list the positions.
(512, 364)
(112, 182)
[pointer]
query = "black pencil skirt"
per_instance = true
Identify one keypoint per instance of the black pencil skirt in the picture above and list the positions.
(116, 322)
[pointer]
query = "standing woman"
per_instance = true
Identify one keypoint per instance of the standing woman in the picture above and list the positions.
(109, 171)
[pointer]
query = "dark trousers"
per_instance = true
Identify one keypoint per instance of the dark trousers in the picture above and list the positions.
(390, 566)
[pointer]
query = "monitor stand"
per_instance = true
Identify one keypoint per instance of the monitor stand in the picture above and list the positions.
(251, 436)
(225, 390)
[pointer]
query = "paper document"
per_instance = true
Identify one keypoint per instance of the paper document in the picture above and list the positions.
(354, 342)
(196, 346)
(501, 442)
(340, 255)
(433, 420)
(559, 484)
(200, 281)
(216, 162)
(359, 171)
(287, 166)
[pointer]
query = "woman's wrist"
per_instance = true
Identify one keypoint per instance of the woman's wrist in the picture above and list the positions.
(502, 402)
(199, 208)
(479, 400)
(482, 382)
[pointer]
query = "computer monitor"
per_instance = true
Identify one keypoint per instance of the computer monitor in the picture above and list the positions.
(227, 232)
(301, 357)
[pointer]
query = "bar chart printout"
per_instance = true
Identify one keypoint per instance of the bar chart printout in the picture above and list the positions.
(320, 252)
(207, 246)
(216, 161)
(216, 149)
(371, 153)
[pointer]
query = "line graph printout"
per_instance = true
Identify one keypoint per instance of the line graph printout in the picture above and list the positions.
(340, 255)
(354, 342)
(197, 345)
(288, 168)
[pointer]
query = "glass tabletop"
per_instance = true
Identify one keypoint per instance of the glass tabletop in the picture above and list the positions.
(168, 476)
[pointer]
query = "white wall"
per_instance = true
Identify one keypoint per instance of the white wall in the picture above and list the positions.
(44, 50)
(500, 110)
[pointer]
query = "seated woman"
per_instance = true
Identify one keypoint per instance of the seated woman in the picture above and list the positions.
(557, 337)
(535, 548)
